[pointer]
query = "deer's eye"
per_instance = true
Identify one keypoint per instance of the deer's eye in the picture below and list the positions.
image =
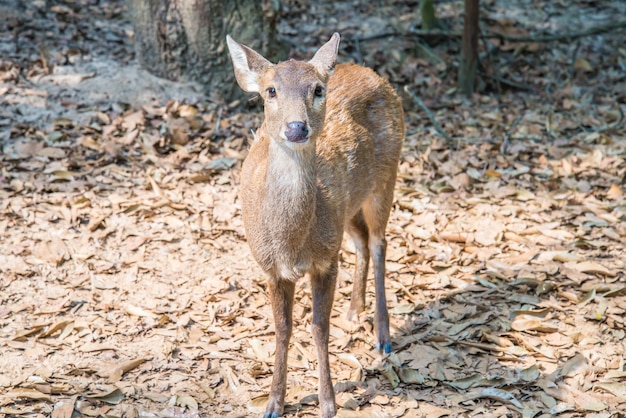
(319, 91)
(271, 92)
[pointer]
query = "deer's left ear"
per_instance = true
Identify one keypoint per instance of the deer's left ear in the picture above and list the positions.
(325, 58)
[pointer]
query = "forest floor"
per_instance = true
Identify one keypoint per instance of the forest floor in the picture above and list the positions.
(127, 288)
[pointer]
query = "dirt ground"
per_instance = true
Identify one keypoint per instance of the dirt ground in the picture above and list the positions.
(127, 288)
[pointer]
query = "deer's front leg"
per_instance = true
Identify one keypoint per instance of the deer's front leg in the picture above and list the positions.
(281, 295)
(323, 289)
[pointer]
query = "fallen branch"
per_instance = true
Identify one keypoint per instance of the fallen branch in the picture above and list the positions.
(596, 30)
(410, 32)
(510, 83)
(430, 115)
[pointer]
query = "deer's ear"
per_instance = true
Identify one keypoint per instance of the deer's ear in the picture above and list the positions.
(326, 57)
(248, 65)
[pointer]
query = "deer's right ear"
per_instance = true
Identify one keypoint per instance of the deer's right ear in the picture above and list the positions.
(248, 65)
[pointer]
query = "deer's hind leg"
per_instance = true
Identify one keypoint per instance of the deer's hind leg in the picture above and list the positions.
(357, 229)
(376, 211)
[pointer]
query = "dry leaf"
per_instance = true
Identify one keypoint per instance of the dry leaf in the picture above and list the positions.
(468, 382)
(137, 311)
(525, 322)
(62, 325)
(64, 408)
(108, 394)
(615, 388)
(230, 378)
(407, 375)
(614, 192)
(22, 393)
(187, 401)
(391, 375)
(261, 352)
(493, 393)
(591, 267)
(573, 366)
(257, 405)
(583, 65)
(350, 360)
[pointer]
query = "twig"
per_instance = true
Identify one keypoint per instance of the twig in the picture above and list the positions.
(216, 131)
(376, 36)
(511, 83)
(574, 54)
(507, 136)
(407, 340)
(431, 56)
(430, 115)
(434, 33)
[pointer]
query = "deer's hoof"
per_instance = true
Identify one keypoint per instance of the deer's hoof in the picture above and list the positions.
(354, 311)
(273, 410)
(352, 315)
(384, 347)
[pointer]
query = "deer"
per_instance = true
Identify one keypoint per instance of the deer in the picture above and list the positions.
(323, 162)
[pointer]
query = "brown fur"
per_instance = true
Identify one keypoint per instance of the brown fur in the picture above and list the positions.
(298, 198)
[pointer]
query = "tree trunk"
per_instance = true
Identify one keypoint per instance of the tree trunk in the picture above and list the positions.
(185, 40)
(469, 51)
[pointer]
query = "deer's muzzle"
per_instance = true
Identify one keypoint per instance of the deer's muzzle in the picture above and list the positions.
(297, 132)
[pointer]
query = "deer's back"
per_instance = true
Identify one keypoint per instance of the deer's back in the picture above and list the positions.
(362, 138)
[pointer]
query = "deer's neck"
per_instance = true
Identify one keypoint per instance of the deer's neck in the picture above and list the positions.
(291, 180)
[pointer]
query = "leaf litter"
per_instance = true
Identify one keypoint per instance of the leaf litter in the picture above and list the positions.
(127, 289)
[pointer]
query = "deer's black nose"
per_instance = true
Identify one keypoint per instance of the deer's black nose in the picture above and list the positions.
(297, 132)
